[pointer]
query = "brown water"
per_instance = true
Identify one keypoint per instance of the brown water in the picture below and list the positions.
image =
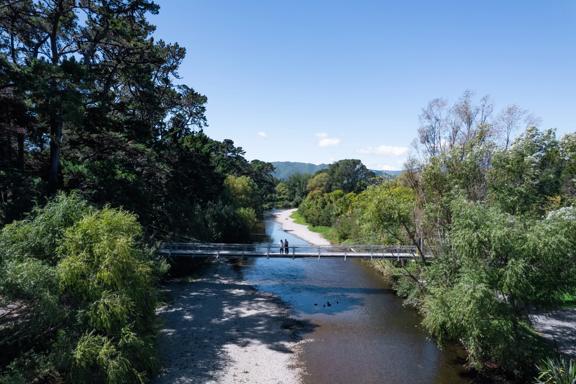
(363, 334)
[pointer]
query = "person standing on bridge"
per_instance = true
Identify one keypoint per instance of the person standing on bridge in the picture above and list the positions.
(286, 250)
(281, 246)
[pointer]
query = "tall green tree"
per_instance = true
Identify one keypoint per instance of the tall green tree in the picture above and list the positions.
(528, 177)
(349, 175)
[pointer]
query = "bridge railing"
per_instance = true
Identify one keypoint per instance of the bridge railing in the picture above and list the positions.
(270, 249)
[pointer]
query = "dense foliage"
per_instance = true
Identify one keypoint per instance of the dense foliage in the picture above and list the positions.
(498, 214)
(92, 106)
(348, 176)
(78, 291)
(292, 191)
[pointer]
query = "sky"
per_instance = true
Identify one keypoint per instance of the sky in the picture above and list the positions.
(323, 80)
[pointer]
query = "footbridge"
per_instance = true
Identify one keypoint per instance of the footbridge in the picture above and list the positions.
(358, 251)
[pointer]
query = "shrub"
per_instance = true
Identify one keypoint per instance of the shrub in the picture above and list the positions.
(38, 236)
(109, 280)
(82, 288)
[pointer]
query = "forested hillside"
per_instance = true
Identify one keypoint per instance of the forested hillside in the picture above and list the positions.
(102, 151)
(284, 169)
(496, 213)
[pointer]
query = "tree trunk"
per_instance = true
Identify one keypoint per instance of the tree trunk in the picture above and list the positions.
(55, 141)
(55, 110)
(416, 243)
(20, 156)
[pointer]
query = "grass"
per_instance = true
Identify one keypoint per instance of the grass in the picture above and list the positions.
(568, 300)
(328, 233)
(298, 219)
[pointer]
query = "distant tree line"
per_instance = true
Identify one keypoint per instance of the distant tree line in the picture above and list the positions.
(497, 213)
(348, 175)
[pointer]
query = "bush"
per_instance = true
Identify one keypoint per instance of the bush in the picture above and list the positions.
(84, 293)
(496, 268)
(323, 209)
(38, 236)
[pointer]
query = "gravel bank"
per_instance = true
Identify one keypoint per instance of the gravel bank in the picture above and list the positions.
(299, 230)
(559, 326)
(221, 330)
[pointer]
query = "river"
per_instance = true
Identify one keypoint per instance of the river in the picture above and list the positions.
(362, 332)
(326, 321)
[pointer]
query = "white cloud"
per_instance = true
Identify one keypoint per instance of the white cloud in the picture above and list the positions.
(384, 167)
(326, 141)
(385, 150)
(262, 134)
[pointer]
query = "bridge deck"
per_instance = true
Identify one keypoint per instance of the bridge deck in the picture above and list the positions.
(274, 251)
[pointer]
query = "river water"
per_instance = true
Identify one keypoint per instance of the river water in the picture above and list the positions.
(362, 332)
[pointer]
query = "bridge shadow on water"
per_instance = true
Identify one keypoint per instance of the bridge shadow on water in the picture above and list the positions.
(207, 321)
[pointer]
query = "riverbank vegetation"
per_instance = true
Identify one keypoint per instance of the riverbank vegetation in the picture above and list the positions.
(102, 154)
(78, 296)
(496, 213)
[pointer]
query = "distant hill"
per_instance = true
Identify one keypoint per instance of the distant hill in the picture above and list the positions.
(386, 173)
(284, 169)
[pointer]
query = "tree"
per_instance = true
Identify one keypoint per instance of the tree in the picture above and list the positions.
(349, 176)
(443, 127)
(508, 121)
(283, 199)
(497, 266)
(51, 41)
(242, 191)
(297, 186)
(568, 158)
(391, 209)
(262, 174)
(94, 108)
(325, 208)
(527, 177)
(318, 182)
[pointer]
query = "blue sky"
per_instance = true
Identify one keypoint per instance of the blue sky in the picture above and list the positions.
(318, 81)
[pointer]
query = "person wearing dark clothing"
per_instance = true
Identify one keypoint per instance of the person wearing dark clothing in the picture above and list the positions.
(286, 250)
(281, 246)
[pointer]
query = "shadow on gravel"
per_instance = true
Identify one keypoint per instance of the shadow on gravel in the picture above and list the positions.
(206, 315)
(558, 326)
